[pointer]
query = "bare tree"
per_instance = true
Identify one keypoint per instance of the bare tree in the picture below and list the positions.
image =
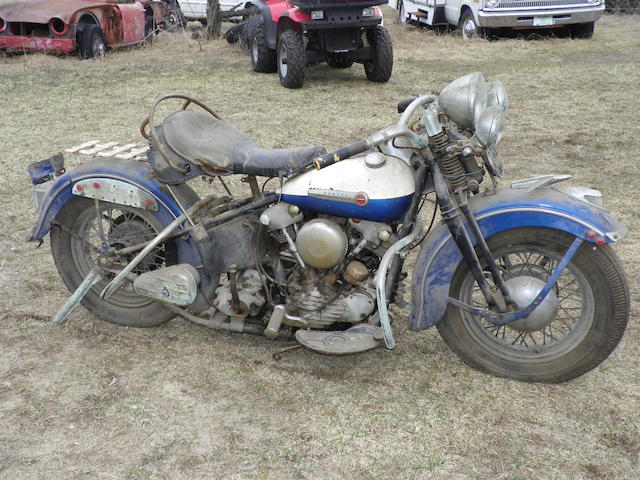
(214, 20)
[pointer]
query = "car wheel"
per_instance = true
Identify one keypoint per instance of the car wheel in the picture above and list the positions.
(292, 59)
(91, 43)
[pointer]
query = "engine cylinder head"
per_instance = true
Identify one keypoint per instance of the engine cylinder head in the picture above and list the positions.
(321, 243)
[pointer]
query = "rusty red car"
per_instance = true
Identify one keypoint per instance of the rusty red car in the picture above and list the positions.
(87, 27)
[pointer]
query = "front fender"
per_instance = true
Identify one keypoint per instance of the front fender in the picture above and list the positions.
(554, 207)
(131, 171)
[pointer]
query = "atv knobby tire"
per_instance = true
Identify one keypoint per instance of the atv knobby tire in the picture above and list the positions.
(263, 58)
(379, 68)
(292, 59)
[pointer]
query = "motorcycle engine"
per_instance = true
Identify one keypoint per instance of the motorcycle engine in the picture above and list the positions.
(325, 287)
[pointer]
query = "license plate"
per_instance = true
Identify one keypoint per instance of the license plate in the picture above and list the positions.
(542, 21)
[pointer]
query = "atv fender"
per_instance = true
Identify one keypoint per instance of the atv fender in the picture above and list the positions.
(555, 207)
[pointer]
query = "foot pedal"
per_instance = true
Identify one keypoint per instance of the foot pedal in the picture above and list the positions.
(354, 340)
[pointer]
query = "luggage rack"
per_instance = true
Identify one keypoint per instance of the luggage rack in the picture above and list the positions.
(123, 151)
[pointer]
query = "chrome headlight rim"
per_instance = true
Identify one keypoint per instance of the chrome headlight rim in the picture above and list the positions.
(492, 3)
(464, 99)
(490, 126)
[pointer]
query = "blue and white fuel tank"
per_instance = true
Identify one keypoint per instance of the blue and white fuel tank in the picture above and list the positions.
(374, 187)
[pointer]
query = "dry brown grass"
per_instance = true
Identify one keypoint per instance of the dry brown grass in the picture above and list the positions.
(91, 400)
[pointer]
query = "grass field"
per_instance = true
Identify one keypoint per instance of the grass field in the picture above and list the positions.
(92, 400)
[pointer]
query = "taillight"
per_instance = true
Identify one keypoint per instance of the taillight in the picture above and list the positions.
(3, 25)
(58, 27)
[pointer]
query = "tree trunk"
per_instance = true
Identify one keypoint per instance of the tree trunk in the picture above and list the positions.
(214, 20)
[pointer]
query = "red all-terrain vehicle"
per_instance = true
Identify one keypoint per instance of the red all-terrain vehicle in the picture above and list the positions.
(289, 35)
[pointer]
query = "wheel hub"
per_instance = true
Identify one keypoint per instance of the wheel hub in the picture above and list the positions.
(523, 290)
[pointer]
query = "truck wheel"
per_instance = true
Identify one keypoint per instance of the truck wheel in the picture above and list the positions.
(263, 58)
(403, 18)
(292, 59)
(379, 68)
(338, 61)
(467, 26)
(582, 30)
(91, 43)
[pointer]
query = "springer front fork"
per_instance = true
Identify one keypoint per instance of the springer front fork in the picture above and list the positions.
(502, 309)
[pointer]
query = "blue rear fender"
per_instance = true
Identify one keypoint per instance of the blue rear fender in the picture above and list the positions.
(507, 209)
(131, 171)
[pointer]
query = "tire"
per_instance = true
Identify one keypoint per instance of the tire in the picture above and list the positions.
(591, 301)
(92, 43)
(149, 28)
(403, 18)
(75, 229)
(467, 26)
(379, 68)
(583, 31)
(337, 61)
(292, 59)
(235, 33)
(263, 58)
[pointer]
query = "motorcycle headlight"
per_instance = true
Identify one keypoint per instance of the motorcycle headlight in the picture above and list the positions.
(497, 95)
(492, 3)
(490, 126)
(464, 99)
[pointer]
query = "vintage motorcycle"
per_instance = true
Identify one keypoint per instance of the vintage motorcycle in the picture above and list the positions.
(521, 280)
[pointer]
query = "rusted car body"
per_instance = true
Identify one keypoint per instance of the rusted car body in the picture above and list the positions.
(62, 26)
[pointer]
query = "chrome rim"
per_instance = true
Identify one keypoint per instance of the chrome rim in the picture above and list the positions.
(570, 322)
(282, 61)
(469, 28)
(99, 47)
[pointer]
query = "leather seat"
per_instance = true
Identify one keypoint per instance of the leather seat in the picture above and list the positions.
(218, 148)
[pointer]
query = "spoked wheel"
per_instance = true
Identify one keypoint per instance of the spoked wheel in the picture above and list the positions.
(292, 59)
(80, 240)
(572, 331)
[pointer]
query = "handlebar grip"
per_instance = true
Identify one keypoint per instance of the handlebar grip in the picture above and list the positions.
(340, 154)
(404, 103)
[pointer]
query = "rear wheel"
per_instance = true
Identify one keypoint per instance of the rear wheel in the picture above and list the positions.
(379, 68)
(573, 330)
(292, 59)
(263, 58)
(91, 43)
(80, 238)
(582, 30)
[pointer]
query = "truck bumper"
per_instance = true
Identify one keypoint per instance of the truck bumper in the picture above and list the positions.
(36, 44)
(525, 18)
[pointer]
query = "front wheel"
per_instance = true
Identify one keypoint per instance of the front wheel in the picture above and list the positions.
(467, 26)
(292, 59)
(573, 330)
(91, 43)
(81, 238)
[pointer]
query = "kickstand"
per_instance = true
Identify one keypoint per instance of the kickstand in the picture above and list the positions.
(90, 280)
(278, 355)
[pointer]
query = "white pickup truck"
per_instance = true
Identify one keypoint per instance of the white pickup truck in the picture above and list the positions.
(485, 17)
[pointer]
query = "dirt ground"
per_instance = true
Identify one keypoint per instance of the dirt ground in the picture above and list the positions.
(92, 400)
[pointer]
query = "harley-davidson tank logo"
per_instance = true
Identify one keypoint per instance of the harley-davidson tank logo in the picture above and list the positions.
(357, 198)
